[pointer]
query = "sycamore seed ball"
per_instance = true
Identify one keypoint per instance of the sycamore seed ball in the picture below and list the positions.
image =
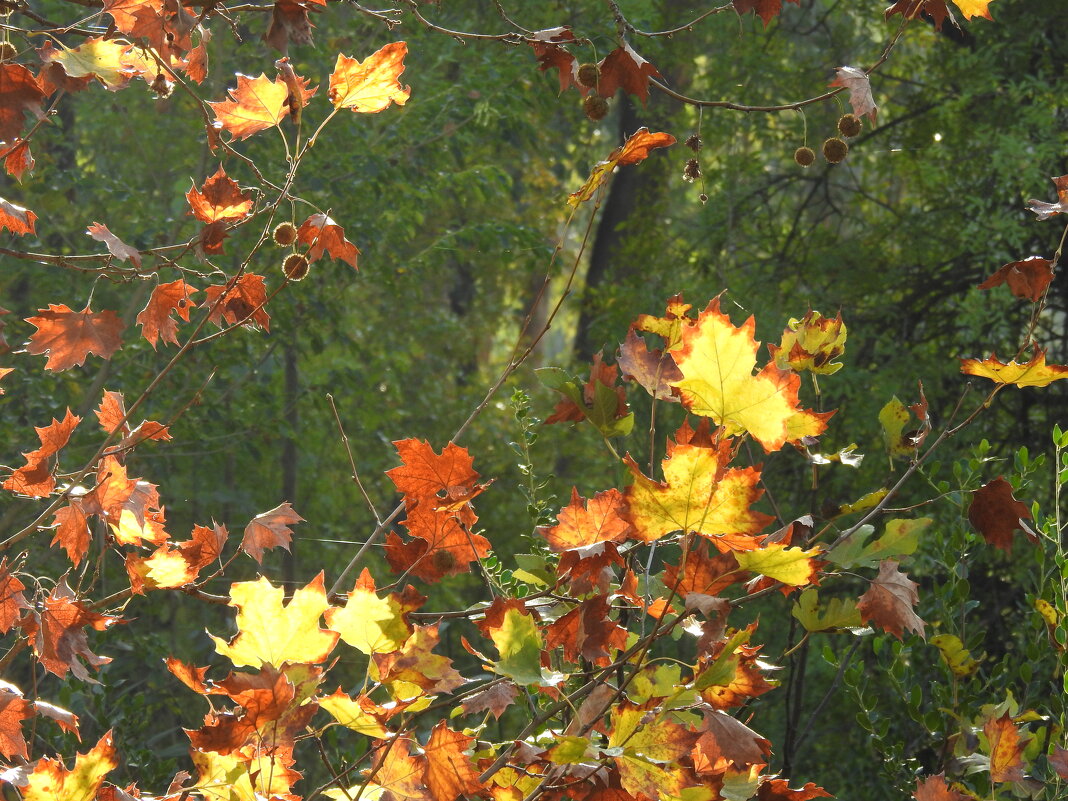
(595, 107)
(7, 51)
(804, 156)
(849, 125)
(589, 75)
(295, 266)
(285, 234)
(834, 150)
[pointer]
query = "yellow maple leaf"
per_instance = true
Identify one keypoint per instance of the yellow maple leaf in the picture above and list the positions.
(634, 150)
(793, 566)
(369, 86)
(368, 623)
(50, 781)
(698, 494)
(272, 633)
(974, 8)
(256, 104)
(812, 343)
(717, 362)
(1035, 373)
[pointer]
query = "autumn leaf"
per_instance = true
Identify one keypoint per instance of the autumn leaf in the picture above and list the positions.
(1006, 749)
(20, 93)
(273, 633)
(974, 8)
(889, 601)
(450, 773)
(1058, 760)
(416, 663)
(702, 574)
(811, 343)
(13, 710)
(270, 530)
(717, 362)
(441, 545)
(35, 477)
(793, 566)
(934, 788)
(322, 235)
(996, 514)
(425, 474)
(654, 369)
(110, 61)
(1027, 278)
(859, 86)
(51, 781)
(361, 714)
(700, 494)
(116, 247)
(588, 632)
(57, 633)
(1035, 373)
(772, 789)
(910, 9)
(580, 524)
(634, 151)
(16, 219)
(12, 601)
(1045, 210)
(72, 531)
(495, 699)
(17, 159)
(166, 299)
(649, 751)
(368, 623)
(68, 336)
(767, 10)
(397, 774)
(518, 641)
(550, 54)
(254, 105)
(220, 198)
(371, 85)
(624, 69)
(241, 302)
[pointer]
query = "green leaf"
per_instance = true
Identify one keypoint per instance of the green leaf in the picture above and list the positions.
(519, 644)
(837, 613)
(900, 539)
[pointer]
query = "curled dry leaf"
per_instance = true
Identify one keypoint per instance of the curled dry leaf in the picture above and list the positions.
(322, 235)
(889, 601)
(633, 151)
(240, 303)
(997, 515)
(856, 81)
(16, 219)
(1026, 279)
(767, 10)
(1035, 373)
(624, 69)
(119, 249)
(155, 319)
(270, 530)
(220, 198)
(1044, 210)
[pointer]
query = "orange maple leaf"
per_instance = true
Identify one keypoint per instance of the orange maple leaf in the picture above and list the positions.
(624, 69)
(1006, 749)
(588, 632)
(68, 336)
(322, 234)
(270, 530)
(51, 781)
(219, 199)
(155, 319)
(371, 85)
(1027, 278)
(20, 92)
(17, 159)
(72, 531)
(16, 219)
(450, 773)
(255, 105)
(35, 477)
(11, 598)
(767, 10)
(13, 710)
(57, 634)
(1035, 373)
(580, 524)
(241, 302)
(717, 362)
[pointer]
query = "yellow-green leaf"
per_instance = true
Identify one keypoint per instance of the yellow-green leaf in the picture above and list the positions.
(793, 566)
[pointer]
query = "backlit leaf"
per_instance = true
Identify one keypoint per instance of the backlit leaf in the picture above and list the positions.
(889, 601)
(1035, 373)
(371, 85)
(68, 336)
(220, 198)
(254, 105)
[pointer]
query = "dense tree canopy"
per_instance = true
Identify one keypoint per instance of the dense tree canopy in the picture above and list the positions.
(362, 272)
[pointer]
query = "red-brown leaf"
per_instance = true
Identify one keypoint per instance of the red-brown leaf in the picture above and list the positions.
(35, 478)
(624, 69)
(996, 514)
(450, 772)
(767, 10)
(12, 601)
(494, 699)
(155, 319)
(580, 524)
(57, 634)
(587, 631)
(934, 788)
(20, 92)
(1006, 749)
(270, 530)
(243, 302)
(16, 219)
(321, 234)
(1027, 278)
(68, 336)
(13, 710)
(550, 54)
(888, 602)
(116, 247)
(220, 198)
(910, 9)
(72, 531)
(17, 159)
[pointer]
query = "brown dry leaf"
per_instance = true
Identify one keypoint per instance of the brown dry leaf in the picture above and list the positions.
(856, 81)
(1027, 278)
(16, 219)
(322, 234)
(220, 198)
(155, 319)
(270, 530)
(119, 249)
(624, 69)
(997, 514)
(889, 601)
(20, 92)
(240, 303)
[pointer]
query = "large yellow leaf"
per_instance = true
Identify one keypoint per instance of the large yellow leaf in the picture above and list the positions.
(698, 494)
(369, 86)
(50, 781)
(793, 566)
(368, 623)
(647, 749)
(256, 104)
(1035, 373)
(974, 8)
(717, 362)
(272, 633)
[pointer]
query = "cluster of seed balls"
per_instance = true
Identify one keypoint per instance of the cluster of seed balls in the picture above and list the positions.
(835, 148)
(593, 105)
(295, 265)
